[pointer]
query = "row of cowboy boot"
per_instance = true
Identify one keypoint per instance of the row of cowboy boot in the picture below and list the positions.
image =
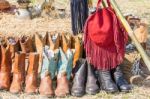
(84, 80)
(56, 61)
(19, 79)
(19, 72)
(113, 81)
(55, 40)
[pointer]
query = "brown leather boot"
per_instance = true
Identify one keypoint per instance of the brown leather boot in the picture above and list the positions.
(76, 44)
(18, 73)
(14, 47)
(40, 42)
(46, 88)
(32, 74)
(5, 69)
(54, 40)
(26, 44)
(62, 88)
(65, 42)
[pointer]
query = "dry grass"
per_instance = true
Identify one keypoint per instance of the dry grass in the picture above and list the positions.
(10, 25)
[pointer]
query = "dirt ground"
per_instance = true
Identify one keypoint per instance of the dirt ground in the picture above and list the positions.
(10, 25)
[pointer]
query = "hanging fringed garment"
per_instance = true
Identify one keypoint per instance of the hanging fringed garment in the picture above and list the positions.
(104, 39)
(79, 14)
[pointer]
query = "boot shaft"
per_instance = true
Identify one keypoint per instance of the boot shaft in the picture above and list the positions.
(76, 44)
(26, 44)
(105, 76)
(53, 41)
(33, 63)
(19, 66)
(5, 58)
(40, 42)
(14, 45)
(80, 72)
(65, 42)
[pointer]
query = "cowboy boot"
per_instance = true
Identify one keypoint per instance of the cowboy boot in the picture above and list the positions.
(79, 80)
(106, 82)
(120, 81)
(91, 84)
(49, 66)
(32, 74)
(5, 70)
(40, 42)
(18, 73)
(54, 41)
(76, 44)
(14, 47)
(64, 73)
(26, 44)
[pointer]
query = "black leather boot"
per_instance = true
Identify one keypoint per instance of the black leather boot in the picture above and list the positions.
(120, 81)
(91, 85)
(78, 87)
(106, 82)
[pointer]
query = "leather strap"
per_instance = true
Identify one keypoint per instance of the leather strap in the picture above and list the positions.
(100, 1)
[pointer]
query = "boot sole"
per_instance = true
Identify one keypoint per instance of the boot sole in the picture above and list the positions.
(62, 95)
(92, 93)
(77, 94)
(47, 96)
(125, 91)
(110, 92)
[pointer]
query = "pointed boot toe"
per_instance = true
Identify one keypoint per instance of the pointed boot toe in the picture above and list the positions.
(62, 88)
(120, 81)
(45, 88)
(78, 92)
(126, 88)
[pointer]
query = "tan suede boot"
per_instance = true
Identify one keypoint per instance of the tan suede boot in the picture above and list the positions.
(18, 73)
(5, 69)
(32, 74)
